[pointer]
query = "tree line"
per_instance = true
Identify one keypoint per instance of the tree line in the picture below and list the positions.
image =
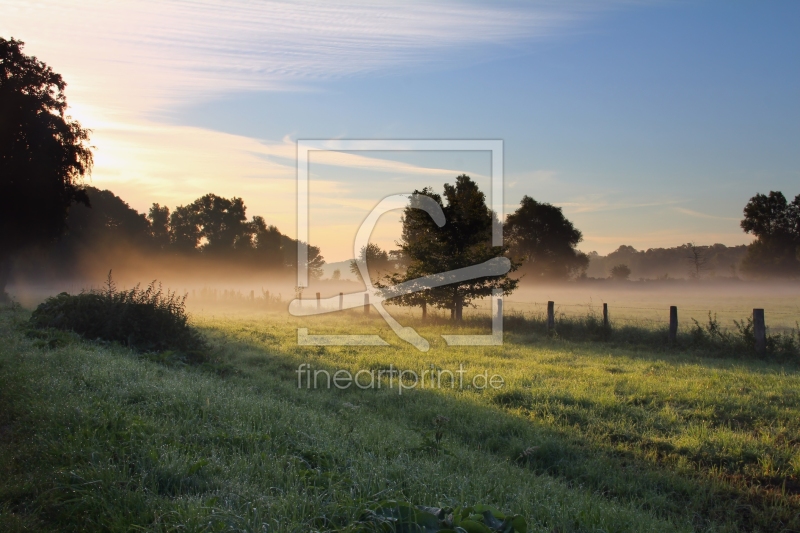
(44, 154)
(686, 261)
(775, 252)
(210, 228)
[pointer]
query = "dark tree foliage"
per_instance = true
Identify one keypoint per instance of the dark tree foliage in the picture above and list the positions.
(108, 228)
(214, 226)
(43, 154)
(267, 242)
(110, 221)
(620, 272)
(377, 260)
(315, 259)
(221, 222)
(771, 215)
(776, 226)
(184, 232)
(159, 226)
(544, 240)
(464, 240)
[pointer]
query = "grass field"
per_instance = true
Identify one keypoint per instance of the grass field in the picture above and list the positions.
(583, 436)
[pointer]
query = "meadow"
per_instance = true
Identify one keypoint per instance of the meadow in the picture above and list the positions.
(623, 434)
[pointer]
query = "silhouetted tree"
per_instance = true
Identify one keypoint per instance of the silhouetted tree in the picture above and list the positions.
(620, 272)
(544, 240)
(697, 260)
(222, 223)
(43, 154)
(464, 240)
(377, 261)
(110, 221)
(267, 244)
(315, 259)
(776, 226)
(159, 225)
(184, 232)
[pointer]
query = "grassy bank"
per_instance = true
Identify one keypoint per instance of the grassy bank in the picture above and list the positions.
(582, 437)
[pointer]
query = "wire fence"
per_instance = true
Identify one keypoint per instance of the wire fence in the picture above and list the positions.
(778, 316)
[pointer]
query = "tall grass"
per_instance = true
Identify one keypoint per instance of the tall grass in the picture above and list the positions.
(709, 339)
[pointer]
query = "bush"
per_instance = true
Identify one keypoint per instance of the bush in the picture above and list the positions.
(145, 319)
(782, 346)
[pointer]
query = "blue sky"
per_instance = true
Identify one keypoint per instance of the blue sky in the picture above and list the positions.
(650, 123)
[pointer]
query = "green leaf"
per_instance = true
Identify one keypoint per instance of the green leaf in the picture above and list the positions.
(471, 526)
(481, 509)
(520, 525)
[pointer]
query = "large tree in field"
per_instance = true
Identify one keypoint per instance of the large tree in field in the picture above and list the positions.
(544, 240)
(464, 240)
(43, 154)
(776, 226)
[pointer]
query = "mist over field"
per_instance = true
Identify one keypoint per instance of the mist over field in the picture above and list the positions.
(372, 267)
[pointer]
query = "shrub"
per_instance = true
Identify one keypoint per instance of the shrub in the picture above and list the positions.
(782, 346)
(145, 319)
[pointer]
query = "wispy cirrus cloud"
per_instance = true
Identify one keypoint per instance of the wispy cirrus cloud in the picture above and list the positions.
(698, 214)
(128, 63)
(157, 53)
(600, 204)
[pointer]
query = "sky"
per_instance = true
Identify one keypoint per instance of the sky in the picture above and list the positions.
(650, 123)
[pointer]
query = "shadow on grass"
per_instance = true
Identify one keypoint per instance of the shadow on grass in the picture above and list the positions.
(622, 464)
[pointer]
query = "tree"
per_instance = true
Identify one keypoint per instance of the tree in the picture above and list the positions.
(315, 259)
(776, 225)
(544, 240)
(377, 261)
(44, 154)
(464, 240)
(159, 225)
(222, 223)
(766, 216)
(184, 233)
(110, 221)
(620, 272)
(266, 244)
(697, 260)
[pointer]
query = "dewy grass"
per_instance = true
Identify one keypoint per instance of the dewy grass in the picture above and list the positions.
(583, 437)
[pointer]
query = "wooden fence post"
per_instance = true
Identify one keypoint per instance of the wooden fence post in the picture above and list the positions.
(341, 301)
(605, 316)
(759, 331)
(551, 316)
(318, 302)
(366, 304)
(673, 323)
